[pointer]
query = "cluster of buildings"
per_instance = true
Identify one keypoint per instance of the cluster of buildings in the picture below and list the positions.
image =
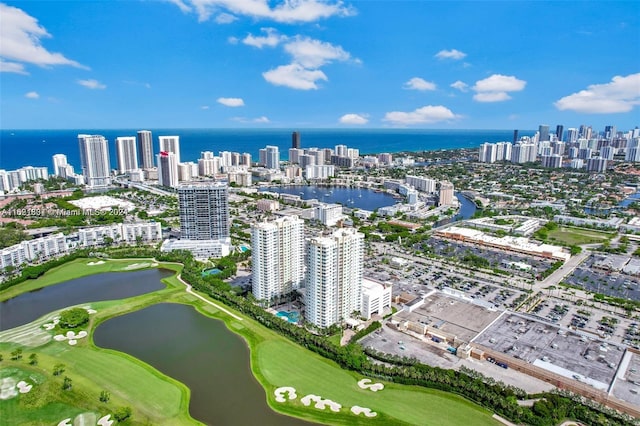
(55, 245)
(580, 148)
(327, 270)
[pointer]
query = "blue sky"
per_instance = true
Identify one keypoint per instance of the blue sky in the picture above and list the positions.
(307, 63)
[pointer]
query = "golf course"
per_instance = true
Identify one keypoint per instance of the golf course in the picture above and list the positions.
(154, 398)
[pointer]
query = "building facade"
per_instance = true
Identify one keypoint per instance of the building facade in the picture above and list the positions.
(277, 257)
(145, 149)
(94, 159)
(126, 154)
(333, 283)
(204, 211)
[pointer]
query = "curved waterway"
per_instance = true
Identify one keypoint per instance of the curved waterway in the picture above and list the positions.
(30, 306)
(199, 352)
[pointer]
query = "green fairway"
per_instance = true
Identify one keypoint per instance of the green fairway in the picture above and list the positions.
(576, 236)
(158, 399)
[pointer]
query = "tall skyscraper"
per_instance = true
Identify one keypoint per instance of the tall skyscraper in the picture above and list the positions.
(295, 140)
(445, 194)
(126, 153)
(559, 131)
(60, 165)
(167, 169)
(272, 160)
(633, 151)
(610, 132)
(94, 160)
(543, 129)
(277, 257)
(515, 136)
(572, 135)
(204, 211)
(170, 144)
(334, 277)
(145, 149)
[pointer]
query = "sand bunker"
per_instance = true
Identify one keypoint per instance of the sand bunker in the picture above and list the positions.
(65, 422)
(51, 325)
(8, 388)
(104, 421)
(99, 262)
(138, 266)
(71, 336)
(91, 311)
(320, 403)
(366, 384)
(24, 387)
(280, 393)
(357, 410)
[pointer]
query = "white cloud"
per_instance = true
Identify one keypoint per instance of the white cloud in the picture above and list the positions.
(32, 95)
(21, 42)
(312, 53)
(460, 85)
(425, 115)
(233, 40)
(491, 97)
(261, 119)
(417, 83)
(272, 38)
(225, 18)
(496, 87)
(285, 11)
(12, 67)
(354, 119)
(231, 102)
(499, 83)
(621, 94)
(204, 107)
(91, 84)
(294, 76)
(450, 54)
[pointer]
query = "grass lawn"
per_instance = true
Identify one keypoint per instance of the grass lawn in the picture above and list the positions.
(158, 399)
(577, 236)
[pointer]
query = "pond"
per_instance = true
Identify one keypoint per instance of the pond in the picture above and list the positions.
(199, 352)
(109, 286)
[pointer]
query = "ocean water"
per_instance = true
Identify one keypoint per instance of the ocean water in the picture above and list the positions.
(20, 148)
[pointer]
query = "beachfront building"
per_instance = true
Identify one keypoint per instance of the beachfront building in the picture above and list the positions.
(277, 257)
(145, 149)
(94, 159)
(167, 169)
(126, 154)
(333, 284)
(170, 144)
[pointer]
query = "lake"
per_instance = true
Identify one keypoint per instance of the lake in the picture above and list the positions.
(199, 352)
(109, 286)
(364, 199)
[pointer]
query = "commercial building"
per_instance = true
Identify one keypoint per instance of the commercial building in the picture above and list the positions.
(145, 149)
(375, 297)
(94, 160)
(277, 257)
(126, 154)
(204, 211)
(333, 284)
(328, 214)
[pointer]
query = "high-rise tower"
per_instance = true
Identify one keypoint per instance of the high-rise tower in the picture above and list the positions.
(94, 160)
(334, 277)
(126, 154)
(543, 130)
(204, 211)
(277, 257)
(167, 169)
(170, 144)
(145, 149)
(295, 140)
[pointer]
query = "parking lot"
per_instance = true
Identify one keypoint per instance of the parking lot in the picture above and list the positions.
(613, 284)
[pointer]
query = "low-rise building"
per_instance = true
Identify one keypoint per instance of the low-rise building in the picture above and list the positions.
(200, 249)
(375, 297)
